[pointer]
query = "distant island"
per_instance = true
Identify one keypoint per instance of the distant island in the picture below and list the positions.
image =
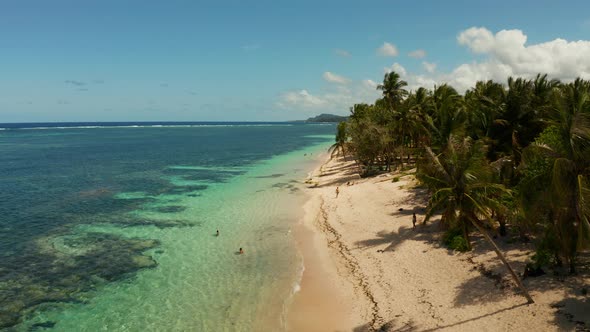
(325, 118)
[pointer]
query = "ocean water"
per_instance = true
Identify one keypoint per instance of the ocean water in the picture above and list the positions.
(112, 227)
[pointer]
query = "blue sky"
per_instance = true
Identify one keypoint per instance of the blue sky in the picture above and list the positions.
(262, 60)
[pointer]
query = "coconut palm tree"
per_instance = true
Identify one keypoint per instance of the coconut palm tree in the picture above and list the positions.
(566, 145)
(341, 140)
(460, 181)
(446, 117)
(393, 89)
(484, 103)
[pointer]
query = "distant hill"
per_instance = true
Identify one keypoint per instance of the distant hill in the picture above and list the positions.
(327, 118)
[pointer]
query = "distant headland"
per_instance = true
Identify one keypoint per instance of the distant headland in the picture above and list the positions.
(325, 118)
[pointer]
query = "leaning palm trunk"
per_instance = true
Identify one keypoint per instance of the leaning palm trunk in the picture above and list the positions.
(503, 259)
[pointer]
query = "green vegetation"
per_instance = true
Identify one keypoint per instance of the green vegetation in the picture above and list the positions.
(500, 158)
(327, 118)
(453, 238)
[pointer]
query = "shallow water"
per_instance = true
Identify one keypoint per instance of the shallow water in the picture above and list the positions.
(114, 228)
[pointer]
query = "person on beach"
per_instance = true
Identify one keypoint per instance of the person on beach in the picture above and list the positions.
(241, 251)
(217, 234)
(414, 220)
(337, 191)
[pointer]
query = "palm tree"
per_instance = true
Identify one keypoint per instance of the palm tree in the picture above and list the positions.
(520, 122)
(460, 179)
(407, 125)
(447, 116)
(341, 139)
(393, 89)
(484, 103)
(419, 103)
(566, 145)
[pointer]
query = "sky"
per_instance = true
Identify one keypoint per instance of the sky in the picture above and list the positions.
(124, 60)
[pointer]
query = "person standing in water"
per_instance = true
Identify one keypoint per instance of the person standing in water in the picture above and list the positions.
(241, 251)
(217, 234)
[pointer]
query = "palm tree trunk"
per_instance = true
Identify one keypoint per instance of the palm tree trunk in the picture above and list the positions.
(503, 259)
(466, 234)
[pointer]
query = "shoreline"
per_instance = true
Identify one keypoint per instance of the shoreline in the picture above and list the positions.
(325, 300)
(366, 269)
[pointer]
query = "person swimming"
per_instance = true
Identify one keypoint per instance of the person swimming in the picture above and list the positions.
(217, 234)
(241, 251)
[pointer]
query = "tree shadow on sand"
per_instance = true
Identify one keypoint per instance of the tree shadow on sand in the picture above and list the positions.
(486, 287)
(427, 234)
(493, 284)
(451, 326)
(392, 325)
(391, 239)
(573, 312)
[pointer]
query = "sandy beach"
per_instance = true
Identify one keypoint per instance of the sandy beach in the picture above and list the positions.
(367, 269)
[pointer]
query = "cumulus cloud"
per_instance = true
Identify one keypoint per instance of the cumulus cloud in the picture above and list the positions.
(507, 53)
(387, 49)
(417, 54)
(370, 84)
(429, 66)
(301, 98)
(337, 100)
(342, 53)
(396, 67)
(503, 54)
(333, 78)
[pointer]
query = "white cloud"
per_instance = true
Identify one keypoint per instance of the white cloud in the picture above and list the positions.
(509, 55)
(503, 54)
(333, 78)
(396, 67)
(417, 54)
(387, 49)
(342, 53)
(429, 66)
(370, 84)
(479, 40)
(337, 100)
(301, 98)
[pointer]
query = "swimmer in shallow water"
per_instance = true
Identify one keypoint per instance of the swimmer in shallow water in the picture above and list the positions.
(241, 251)
(217, 234)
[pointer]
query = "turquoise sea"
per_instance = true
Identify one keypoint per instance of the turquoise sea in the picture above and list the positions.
(112, 227)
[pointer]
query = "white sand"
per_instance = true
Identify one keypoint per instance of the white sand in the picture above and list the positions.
(367, 269)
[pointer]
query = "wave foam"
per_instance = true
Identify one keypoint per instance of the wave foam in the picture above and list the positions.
(147, 126)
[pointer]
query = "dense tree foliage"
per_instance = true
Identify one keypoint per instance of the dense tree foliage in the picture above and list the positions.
(514, 154)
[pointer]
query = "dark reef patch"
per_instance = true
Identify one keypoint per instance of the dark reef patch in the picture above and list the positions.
(170, 209)
(287, 186)
(278, 175)
(179, 190)
(43, 325)
(66, 268)
(209, 175)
